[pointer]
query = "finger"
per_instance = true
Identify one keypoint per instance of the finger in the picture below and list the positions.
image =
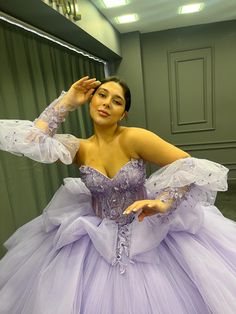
(90, 81)
(136, 206)
(127, 211)
(141, 206)
(89, 93)
(149, 212)
(83, 81)
(149, 207)
(141, 217)
(89, 85)
(95, 84)
(129, 208)
(132, 209)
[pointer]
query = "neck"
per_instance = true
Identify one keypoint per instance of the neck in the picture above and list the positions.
(105, 134)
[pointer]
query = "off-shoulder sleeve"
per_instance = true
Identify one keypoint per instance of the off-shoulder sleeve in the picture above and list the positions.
(203, 179)
(23, 138)
(191, 173)
(205, 174)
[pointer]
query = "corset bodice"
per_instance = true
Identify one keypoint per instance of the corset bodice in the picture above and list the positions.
(111, 196)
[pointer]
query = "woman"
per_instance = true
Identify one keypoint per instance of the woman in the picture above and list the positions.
(112, 241)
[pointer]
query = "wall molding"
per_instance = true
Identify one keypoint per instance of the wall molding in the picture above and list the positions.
(208, 145)
(180, 62)
(215, 145)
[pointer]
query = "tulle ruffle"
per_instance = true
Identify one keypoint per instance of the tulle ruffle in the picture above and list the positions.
(204, 178)
(71, 216)
(66, 256)
(23, 138)
(183, 262)
(206, 174)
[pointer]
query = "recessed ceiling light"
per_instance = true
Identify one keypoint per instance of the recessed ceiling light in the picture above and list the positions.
(191, 8)
(126, 18)
(114, 3)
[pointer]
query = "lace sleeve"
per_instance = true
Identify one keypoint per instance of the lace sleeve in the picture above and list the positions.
(206, 174)
(173, 195)
(26, 138)
(174, 183)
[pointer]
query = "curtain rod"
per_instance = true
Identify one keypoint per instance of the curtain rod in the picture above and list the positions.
(9, 19)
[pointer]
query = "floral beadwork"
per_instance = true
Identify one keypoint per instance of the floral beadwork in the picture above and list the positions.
(122, 248)
(175, 194)
(53, 116)
(112, 196)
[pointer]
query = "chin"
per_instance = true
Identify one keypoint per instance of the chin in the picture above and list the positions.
(100, 121)
(103, 122)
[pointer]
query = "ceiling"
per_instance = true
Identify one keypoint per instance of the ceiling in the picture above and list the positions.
(157, 15)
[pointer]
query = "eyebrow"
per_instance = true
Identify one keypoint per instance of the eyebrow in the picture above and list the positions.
(106, 90)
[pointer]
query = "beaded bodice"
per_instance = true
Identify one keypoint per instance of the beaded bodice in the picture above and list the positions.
(112, 196)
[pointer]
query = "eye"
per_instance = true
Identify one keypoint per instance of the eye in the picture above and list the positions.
(102, 95)
(117, 102)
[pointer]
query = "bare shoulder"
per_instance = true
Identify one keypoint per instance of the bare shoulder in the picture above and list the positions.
(151, 147)
(133, 132)
(134, 136)
(126, 138)
(129, 138)
(84, 145)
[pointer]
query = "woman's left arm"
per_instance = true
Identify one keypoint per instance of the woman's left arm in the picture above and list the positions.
(152, 148)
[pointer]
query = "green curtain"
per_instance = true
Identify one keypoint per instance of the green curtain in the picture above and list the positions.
(33, 72)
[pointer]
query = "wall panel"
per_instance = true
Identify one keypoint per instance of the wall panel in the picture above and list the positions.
(190, 88)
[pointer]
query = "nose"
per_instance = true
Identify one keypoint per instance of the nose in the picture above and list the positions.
(107, 103)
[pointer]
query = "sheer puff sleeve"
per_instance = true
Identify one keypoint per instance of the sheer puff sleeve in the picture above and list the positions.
(201, 179)
(205, 175)
(187, 177)
(23, 138)
(40, 143)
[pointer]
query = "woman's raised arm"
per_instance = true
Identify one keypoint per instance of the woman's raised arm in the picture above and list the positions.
(38, 140)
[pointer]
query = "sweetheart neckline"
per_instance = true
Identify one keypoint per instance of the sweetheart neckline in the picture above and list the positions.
(105, 176)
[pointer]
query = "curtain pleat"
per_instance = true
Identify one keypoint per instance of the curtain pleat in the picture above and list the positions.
(33, 72)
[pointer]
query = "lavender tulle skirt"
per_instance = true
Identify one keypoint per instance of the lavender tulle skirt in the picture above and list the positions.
(57, 263)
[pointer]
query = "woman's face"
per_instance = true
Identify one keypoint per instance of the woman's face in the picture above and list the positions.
(107, 105)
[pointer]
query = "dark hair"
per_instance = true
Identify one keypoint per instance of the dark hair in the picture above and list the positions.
(124, 86)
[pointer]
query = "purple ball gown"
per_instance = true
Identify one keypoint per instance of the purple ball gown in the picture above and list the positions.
(83, 256)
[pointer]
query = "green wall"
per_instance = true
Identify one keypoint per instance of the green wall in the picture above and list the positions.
(130, 69)
(186, 93)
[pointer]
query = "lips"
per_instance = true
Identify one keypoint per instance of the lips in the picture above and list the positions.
(103, 113)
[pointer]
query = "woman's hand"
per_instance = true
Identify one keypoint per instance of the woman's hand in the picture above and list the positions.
(148, 208)
(80, 92)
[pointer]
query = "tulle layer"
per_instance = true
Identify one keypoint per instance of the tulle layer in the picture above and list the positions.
(188, 274)
(23, 138)
(70, 215)
(208, 175)
(183, 262)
